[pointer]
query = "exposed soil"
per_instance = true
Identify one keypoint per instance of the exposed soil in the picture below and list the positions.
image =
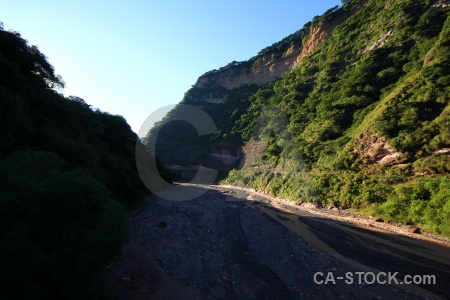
(376, 149)
(237, 244)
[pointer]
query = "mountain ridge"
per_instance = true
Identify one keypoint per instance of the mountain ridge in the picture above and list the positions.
(269, 65)
(369, 101)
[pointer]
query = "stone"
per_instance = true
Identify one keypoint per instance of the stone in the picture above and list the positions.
(414, 229)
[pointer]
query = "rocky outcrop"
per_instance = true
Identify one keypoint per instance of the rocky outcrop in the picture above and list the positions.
(270, 66)
(262, 71)
(317, 36)
(442, 4)
(377, 150)
(381, 41)
(266, 68)
(442, 151)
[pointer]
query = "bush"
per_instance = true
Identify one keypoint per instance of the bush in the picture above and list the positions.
(59, 228)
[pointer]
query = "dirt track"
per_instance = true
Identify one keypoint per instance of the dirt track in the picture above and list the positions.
(235, 244)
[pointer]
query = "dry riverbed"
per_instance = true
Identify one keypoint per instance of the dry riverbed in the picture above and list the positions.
(233, 243)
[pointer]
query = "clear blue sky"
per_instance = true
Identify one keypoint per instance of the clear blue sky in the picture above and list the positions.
(133, 57)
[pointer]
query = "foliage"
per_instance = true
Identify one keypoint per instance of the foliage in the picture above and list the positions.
(383, 72)
(68, 172)
(59, 228)
(425, 202)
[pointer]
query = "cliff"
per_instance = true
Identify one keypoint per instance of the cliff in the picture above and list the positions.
(274, 61)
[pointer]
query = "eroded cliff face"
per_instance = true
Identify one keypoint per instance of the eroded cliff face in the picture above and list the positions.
(269, 67)
(262, 71)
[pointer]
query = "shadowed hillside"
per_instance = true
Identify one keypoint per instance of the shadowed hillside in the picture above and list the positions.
(67, 173)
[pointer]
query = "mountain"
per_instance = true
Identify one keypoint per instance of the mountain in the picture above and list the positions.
(350, 111)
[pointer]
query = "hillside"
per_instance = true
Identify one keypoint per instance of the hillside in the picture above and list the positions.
(351, 111)
(68, 173)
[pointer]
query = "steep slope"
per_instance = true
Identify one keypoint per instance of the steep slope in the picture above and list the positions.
(67, 172)
(359, 118)
(272, 62)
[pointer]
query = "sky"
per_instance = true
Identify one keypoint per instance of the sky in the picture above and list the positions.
(131, 58)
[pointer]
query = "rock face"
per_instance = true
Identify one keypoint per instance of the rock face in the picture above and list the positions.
(265, 68)
(263, 71)
(224, 155)
(376, 150)
(381, 41)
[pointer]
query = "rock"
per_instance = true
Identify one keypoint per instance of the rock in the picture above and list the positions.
(442, 151)
(379, 220)
(414, 229)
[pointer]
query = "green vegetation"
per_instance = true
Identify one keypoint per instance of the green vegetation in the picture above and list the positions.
(366, 111)
(67, 175)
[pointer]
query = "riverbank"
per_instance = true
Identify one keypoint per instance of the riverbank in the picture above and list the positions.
(237, 244)
(345, 215)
